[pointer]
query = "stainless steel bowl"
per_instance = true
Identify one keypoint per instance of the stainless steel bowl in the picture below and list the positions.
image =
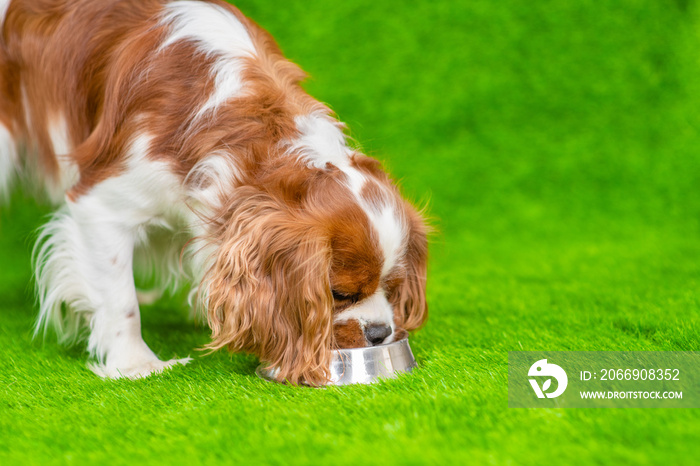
(363, 365)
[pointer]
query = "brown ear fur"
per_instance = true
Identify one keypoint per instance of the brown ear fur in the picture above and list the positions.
(409, 298)
(268, 291)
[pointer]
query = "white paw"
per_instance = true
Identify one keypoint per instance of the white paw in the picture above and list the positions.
(135, 372)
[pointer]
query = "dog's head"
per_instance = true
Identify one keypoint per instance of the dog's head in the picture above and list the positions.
(313, 259)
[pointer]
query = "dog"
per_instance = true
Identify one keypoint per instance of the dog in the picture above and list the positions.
(174, 136)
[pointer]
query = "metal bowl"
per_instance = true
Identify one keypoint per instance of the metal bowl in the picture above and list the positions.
(362, 365)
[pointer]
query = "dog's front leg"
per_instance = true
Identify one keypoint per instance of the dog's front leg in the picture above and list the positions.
(85, 261)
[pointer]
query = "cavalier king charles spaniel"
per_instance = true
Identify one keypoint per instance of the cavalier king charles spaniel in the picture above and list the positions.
(174, 137)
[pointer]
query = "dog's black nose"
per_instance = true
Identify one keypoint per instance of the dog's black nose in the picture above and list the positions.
(376, 333)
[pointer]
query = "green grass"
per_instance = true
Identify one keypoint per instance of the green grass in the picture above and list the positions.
(557, 143)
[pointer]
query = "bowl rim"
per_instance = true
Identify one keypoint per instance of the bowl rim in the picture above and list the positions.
(338, 356)
(368, 349)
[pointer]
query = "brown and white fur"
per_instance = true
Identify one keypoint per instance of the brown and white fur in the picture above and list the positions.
(143, 116)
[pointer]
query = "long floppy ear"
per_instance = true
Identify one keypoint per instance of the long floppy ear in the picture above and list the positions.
(268, 290)
(409, 298)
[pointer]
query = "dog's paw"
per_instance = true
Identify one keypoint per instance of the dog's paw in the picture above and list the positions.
(136, 372)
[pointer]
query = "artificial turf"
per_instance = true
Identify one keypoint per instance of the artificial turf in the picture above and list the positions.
(556, 144)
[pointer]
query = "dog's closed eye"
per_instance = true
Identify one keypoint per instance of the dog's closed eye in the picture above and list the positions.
(341, 296)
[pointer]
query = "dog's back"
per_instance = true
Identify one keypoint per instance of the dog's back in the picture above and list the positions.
(61, 63)
(53, 62)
